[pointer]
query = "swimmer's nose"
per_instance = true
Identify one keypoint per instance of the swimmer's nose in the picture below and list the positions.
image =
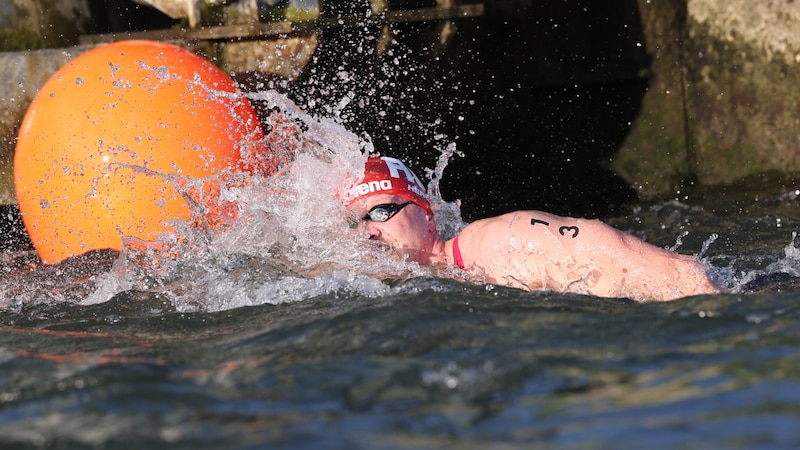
(369, 227)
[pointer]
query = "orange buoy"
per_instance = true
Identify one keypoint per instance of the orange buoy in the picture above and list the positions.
(107, 136)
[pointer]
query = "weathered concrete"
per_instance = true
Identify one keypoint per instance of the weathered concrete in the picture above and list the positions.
(724, 97)
(655, 156)
(59, 23)
(744, 101)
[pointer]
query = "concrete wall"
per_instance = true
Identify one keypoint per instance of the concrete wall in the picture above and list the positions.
(59, 23)
(744, 99)
(724, 96)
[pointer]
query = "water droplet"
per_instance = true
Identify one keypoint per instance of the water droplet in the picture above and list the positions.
(162, 73)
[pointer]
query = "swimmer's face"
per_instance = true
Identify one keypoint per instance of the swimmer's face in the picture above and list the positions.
(409, 230)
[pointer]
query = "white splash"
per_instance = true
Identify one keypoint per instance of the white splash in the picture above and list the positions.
(291, 241)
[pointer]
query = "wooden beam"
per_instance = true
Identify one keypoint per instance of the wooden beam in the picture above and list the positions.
(266, 30)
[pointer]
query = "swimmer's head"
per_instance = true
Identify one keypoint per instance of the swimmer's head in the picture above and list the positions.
(385, 175)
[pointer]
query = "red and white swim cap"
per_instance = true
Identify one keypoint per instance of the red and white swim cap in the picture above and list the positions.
(385, 175)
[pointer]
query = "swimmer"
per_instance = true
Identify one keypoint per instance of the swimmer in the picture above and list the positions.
(529, 250)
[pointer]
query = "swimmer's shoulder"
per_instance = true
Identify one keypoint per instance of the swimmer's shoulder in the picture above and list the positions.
(524, 219)
(503, 225)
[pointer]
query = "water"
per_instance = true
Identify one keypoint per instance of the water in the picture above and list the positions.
(430, 364)
(288, 331)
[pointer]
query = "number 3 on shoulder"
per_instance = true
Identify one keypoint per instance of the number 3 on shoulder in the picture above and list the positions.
(563, 231)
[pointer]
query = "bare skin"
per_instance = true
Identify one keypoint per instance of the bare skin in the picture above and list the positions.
(534, 250)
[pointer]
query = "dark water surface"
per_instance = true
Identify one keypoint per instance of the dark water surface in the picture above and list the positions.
(426, 363)
(435, 364)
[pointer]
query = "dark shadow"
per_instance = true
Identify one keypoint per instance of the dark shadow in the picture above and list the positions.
(558, 85)
(114, 16)
(537, 96)
(12, 230)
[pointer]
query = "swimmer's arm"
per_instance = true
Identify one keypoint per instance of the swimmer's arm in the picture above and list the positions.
(564, 242)
(645, 270)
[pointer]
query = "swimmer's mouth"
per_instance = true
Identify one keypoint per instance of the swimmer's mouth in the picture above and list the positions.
(381, 244)
(387, 248)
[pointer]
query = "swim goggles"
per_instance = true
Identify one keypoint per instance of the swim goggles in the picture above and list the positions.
(384, 212)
